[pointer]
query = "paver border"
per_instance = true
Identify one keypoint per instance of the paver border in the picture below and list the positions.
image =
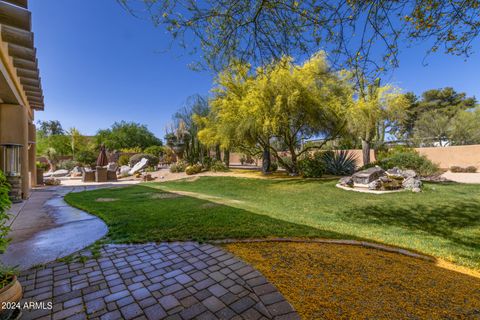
(365, 244)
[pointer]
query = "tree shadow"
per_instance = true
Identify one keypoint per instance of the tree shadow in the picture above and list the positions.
(442, 220)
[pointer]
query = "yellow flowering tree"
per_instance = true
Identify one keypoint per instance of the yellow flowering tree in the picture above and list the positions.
(376, 109)
(281, 102)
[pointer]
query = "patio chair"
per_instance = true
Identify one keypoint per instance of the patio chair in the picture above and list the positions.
(88, 175)
(111, 175)
(101, 174)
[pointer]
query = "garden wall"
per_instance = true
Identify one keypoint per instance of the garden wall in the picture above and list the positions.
(445, 157)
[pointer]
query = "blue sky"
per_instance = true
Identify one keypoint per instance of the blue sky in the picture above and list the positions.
(100, 65)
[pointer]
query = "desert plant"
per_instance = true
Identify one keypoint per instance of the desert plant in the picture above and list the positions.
(86, 157)
(6, 275)
(154, 151)
(311, 166)
(339, 163)
(168, 156)
(4, 206)
(273, 166)
(152, 160)
(42, 165)
(52, 158)
(66, 164)
(193, 169)
(207, 163)
(218, 166)
(123, 160)
(407, 158)
(469, 169)
(178, 166)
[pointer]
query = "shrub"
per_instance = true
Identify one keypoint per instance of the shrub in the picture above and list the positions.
(66, 164)
(312, 166)
(207, 163)
(469, 169)
(193, 169)
(179, 166)
(152, 160)
(42, 165)
(168, 156)
(132, 150)
(273, 166)
(407, 158)
(123, 160)
(218, 166)
(86, 158)
(287, 160)
(4, 206)
(340, 163)
(154, 151)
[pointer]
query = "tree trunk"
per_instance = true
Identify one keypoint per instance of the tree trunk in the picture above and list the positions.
(218, 153)
(294, 169)
(226, 157)
(266, 160)
(366, 152)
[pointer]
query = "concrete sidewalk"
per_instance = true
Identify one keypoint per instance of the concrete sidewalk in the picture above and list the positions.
(44, 228)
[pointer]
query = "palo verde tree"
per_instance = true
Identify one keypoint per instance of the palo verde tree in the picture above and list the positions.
(376, 111)
(361, 35)
(280, 102)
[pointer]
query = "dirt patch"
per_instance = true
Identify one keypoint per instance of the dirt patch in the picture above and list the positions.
(165, 195)
(106, 199)
(328, 281)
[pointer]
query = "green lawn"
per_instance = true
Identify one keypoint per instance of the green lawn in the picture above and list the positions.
(443, 220)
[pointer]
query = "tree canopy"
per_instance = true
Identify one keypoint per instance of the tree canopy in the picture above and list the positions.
(127, 135)
(280, 102)
(360, 35)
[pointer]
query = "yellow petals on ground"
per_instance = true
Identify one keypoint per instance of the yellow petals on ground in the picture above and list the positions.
(327, 281)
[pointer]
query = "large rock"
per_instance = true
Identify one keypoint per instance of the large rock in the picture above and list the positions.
(397, 172)
(375, 185)
(60, 173)
(346, 182)
(139, 166)
(411, 183)
(76, 171)
(124, 171)
(368, 175)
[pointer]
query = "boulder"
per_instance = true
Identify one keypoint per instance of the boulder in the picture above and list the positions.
(397, 172)
(76, 172)
(416, 190)
(411, 183)
(143, 163)
(346, 182)
(112, 166)
(60, 173)
(124, 171)
(375, 185)
(368, 175)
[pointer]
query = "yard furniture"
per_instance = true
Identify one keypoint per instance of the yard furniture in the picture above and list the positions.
(88, 175)
(101, 174)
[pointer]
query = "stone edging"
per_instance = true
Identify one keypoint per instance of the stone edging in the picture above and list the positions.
(366, 190)
(364, 244)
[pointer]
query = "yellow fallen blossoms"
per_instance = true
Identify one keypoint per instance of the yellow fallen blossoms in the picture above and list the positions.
(330, 281)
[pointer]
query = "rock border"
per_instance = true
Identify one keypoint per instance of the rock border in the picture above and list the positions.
(366, 190)
(364, 244)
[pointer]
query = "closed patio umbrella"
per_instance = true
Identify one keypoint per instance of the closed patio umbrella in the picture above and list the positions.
(102, 159)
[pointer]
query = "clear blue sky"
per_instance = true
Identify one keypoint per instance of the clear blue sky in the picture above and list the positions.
(99, 65)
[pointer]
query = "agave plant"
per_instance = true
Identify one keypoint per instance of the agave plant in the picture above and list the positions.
(339, 163)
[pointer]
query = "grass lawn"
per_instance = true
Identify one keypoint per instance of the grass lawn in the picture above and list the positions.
(443, 220)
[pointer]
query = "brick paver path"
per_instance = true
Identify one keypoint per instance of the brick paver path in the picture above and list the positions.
(154, 281)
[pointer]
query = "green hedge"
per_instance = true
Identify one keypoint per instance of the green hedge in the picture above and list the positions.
(4, 206)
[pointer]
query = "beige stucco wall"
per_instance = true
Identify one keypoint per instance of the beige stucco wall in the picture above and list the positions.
(445, 157)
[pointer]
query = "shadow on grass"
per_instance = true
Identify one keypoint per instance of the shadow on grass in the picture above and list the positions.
(446, 221)
(143, 214)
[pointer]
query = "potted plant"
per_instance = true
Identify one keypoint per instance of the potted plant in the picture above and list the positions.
(41, 168)
(10, 288)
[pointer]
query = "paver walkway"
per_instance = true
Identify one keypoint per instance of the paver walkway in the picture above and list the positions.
(154, 281)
